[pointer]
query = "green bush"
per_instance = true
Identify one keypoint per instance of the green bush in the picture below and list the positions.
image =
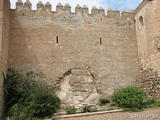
(71, 110)
(27, 99)
(103, 101)
(130, 97)
(151, 103)
(44, 104)
(20, 112)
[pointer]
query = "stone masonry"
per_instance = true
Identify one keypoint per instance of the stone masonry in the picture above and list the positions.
(88, 56)
(4, 37)
(148, 41)
(53, 42)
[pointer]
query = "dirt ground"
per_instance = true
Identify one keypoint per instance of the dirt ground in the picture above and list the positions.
(148, 114)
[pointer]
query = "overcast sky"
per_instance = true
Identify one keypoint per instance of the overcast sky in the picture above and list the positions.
(120, 4)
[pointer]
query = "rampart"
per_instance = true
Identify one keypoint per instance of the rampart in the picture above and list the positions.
(87, 55)
(56, 42)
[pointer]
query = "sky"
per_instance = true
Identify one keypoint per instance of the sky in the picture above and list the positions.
(120, 4)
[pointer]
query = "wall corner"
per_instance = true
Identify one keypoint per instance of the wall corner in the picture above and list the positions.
(4, 37)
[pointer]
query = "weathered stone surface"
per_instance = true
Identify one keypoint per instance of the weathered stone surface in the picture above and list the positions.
(149, 81)
(100, 52)
(78, 88)
(54, 42)
(4, 37)
(148, 32)
(91, 108)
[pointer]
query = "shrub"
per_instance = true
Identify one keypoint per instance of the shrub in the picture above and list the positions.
(151, 103)
(26, 99)
(44, 104)
(21, 112)
(103, 101)
(130, 97)
(71, 110)
(18, 112)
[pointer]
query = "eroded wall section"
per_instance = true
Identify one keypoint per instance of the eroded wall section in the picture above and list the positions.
(148, 40)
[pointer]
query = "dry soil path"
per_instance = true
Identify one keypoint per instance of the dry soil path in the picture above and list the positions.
(148, 114)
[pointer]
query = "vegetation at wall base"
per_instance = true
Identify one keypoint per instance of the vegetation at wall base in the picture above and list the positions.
(71, 110)
(26, 100)
(133, 99)
(103, 101)
(151, 103)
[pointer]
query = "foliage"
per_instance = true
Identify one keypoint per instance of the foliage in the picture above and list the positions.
(71, 110)
(27, 100)
(151, 103)
(19, 112)
(44, 104)
(130, 97)
(103, 101)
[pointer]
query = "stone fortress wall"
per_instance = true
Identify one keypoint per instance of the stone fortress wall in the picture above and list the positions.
(87, 55)
(58, 42)
(4, 37)
(148, 42)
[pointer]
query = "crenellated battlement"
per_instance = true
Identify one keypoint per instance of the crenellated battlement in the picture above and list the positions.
(129, 14)
(48, 6)
(40, 5)
(27, 4)
(113, 13)
(78, 9)
(19, 4)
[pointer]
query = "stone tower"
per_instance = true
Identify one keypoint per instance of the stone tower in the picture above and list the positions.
(4, 36)
(147, 26)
